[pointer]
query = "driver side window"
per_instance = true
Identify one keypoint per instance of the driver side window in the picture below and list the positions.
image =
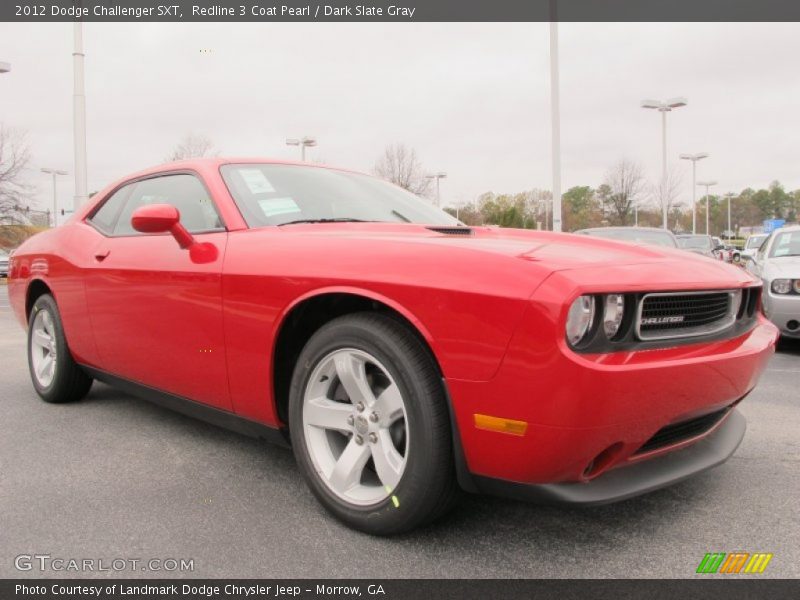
(183, 191)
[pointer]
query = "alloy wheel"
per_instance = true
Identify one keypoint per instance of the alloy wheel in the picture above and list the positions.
(355, 426)
(44, 355)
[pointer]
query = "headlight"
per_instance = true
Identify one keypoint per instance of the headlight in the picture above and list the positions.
(613, 313)
(781, 286)
(796, 286)
(580, 318)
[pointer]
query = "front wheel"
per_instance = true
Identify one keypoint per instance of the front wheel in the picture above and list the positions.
(370, 426)
(55, 375)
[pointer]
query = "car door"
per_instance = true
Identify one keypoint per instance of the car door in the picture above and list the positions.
(156, 309)
(756, 263)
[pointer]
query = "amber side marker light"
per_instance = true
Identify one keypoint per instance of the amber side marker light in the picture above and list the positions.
(508, 426)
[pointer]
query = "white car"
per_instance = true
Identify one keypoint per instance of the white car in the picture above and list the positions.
(4, 258)
(777, 263)
(750, 247)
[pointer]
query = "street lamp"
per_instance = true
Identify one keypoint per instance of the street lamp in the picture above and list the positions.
(306, 142)
(707, 184)
(5, 67)
(437, 177)
(664, 108)
(729, 196)
(79, 118)
(55, 173)
(555, 116)
(694, 158)
(459, 205)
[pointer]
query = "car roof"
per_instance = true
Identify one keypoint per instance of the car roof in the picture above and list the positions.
(216, 162)
(623, 228)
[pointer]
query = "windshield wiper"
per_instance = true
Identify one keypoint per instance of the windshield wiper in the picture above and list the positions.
(335, 220)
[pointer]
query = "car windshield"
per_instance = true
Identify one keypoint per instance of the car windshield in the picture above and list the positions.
(786, 244)
(276, 194)
(755, 241)
(695, 242)
(637, 236)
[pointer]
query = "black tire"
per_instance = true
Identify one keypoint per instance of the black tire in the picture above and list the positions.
(427, 488)
(69, 382)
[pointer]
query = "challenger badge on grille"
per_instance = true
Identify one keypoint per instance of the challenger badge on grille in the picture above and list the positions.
(663, 320)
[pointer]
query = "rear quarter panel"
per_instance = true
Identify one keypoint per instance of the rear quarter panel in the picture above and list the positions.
(55, 257)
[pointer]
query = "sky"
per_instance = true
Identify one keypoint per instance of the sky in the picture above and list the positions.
(473, 100)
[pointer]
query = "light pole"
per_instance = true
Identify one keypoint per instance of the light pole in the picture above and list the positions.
(5, 67)
(79, 118)
(664, 108)
(55, 173)
(458, 206)
(306, 142)
(729, 196)
(437, 177)
(707, 184)
(694, 158)
(555, 117)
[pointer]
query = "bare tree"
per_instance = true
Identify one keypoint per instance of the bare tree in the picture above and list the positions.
(14, 158)
(666, 191)
(627, 185)
(193, 145)
(400, 165)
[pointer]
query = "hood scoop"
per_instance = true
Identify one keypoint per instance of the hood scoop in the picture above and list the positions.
(452, 230)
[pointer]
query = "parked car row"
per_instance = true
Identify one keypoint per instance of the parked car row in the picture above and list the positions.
(776, 262)
(750, 247)
(775, 259)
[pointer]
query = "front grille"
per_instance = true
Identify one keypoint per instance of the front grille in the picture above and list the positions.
(684, 314)
(680, 432)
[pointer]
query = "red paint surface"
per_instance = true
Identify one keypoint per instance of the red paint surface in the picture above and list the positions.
(492, 307)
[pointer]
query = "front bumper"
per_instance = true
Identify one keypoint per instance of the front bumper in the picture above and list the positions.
(782, 310)
(634, 479)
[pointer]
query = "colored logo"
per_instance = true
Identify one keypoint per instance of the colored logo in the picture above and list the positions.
(735, 562)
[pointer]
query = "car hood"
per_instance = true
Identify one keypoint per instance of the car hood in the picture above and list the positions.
(788, 267)
(556, 251)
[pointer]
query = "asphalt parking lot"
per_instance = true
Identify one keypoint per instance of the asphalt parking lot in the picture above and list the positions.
(116, 477)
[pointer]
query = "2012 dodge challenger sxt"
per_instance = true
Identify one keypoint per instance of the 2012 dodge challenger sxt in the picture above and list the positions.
(403, 355)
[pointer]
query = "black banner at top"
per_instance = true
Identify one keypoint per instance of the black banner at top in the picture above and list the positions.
(403, 11)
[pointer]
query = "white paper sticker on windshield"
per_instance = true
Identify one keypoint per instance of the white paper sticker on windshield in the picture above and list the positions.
(272, 207)
(256, 181)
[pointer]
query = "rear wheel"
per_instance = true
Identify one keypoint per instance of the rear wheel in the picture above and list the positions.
(55, 375)
(370, 427)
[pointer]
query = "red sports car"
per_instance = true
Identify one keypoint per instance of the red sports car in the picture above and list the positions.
(403, 355)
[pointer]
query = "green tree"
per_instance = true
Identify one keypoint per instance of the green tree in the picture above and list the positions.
(580, 207)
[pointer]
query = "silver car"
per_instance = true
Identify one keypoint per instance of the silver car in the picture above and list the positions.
(650, 236)
(751, 246)
(3, 263)
(777, 263)
(699, 244)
